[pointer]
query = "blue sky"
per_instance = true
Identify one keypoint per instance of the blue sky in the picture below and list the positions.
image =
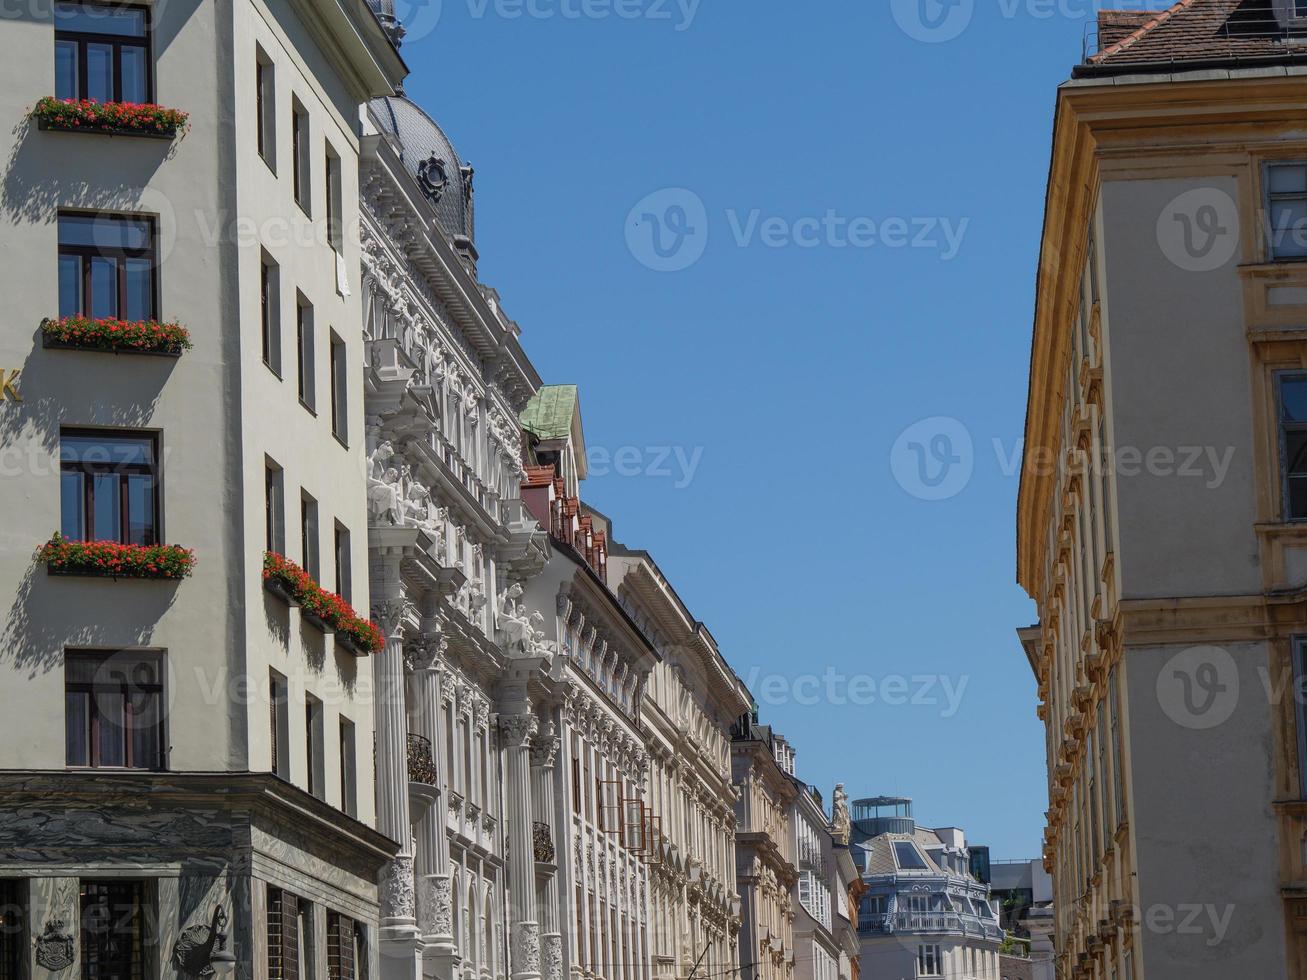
(857, 197)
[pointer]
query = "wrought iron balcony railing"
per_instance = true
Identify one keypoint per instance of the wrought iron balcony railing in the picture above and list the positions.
(421, 763)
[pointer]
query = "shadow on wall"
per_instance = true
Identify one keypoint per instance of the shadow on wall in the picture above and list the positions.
(53, 613)
(45, 171)
(63, 387)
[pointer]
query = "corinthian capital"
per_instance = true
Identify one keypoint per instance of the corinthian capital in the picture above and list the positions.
(389, 614)
(518, 730)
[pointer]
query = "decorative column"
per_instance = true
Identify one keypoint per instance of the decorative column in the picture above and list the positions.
(434, 884)
(543, 754)
(518, 730)
(400, 939)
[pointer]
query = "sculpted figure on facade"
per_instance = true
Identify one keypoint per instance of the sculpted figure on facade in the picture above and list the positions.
(385, 499)
(515, 623)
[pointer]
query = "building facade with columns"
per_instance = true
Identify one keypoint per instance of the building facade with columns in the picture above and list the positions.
(767, 877)
(1170, 304)
(158, 819)
(693, 699)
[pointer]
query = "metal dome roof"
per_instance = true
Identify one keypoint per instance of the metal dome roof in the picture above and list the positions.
(432, 160)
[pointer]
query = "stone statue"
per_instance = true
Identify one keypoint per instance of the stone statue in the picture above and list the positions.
(379, 461)
(514, 622)
(385, 501)
(841, 823)
(416, 504)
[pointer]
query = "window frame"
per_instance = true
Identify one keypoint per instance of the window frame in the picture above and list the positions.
(934, 953)
(154, 470)
(142, 912)
(92, 689)
(270, 313)
(311, 535)
(121, 254)
(117, 41)
(349, 782)
(279, 712)
(342, 543)
(306, 354)
(1298, 656)
(301, 157)
(265, 107)
(1269, 198)
(1283, 428)
(338, 369)
(274, 503)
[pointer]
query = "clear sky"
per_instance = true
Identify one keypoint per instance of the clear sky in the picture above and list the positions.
(787, 250)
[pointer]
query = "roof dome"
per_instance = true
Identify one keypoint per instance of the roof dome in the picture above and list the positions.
(432, 160)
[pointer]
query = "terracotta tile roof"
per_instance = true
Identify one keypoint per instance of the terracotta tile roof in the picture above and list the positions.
(1192, 32)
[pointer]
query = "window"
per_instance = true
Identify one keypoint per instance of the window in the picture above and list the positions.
(929, 961)
(107, 266)
(346, 948)
(344, 575)
(270, 312)
(334, 201)
(113, 936)
(113, 709)
(1286, 209)
(299, 137)
(288, 935)
(313, 745)
(339, 390)
(13, 928)
(102, 52)
(908, 857)
(279, 723)
(1300, 709)
(349, 799)
(304, 347)
(108, 487)
(274, 496)
(265, 107)
(1293, 444)
(309, 535)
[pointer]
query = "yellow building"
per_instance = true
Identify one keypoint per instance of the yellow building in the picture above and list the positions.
(1160, 519)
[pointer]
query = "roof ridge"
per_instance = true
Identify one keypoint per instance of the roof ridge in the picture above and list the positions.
(1135, 35)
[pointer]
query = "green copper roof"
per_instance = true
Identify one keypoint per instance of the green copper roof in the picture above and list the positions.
(550, 412)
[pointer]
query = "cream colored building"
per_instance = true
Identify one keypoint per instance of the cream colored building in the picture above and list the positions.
(692, 700)
(1160, 514)
(184, 755)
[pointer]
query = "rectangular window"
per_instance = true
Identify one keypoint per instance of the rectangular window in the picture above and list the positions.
(1300, 709)
(107, 266)
(265, 107)
(113, 709)
(274, 495)
(1286, 210)
(344, 574)
(345, 948)
(313, 745)
(102, 52)
(1293, 444)
(270, 312)
(279, 724)
(13, 928)
(929, 961)
(349, 794)
(334, 201)
(286, 939)
(113, 923)
(299, 134)
(309, 536)
(339, 390)
(304, 348)
(108, 487)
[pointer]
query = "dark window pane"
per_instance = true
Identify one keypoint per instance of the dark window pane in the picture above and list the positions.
(112, 930)
(1288, 179)
(65, 70)
(145, 730)
(1298, 497)
(72, 498)
(133, 75)
(107, 513)
(99, 72)
(91, 18)
(100, 451)
(104, 287)
(140, 289)
(140, 509)
(77, 727)
(1295, 452)
(104, 232)
(1289, 227)
(70, 285)
(110, 709)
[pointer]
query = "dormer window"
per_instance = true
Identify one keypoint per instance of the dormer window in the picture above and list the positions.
(908, 858)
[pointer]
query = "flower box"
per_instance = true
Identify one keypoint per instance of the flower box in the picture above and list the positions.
(280, 589)
(110, 559)
(109, 118)
(325, 610)
(114, 336)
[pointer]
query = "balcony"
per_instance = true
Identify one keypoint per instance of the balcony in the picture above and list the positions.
(421, 763)
(542, 840)
(939, 922)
